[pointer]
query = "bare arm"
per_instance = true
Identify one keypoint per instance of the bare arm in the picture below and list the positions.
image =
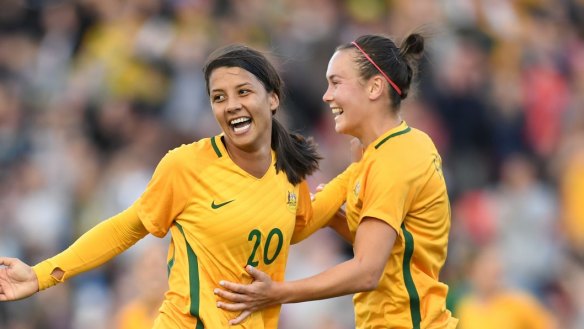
(340, 225)
(373, 244)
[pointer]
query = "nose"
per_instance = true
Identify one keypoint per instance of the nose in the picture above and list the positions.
(233, 104)
(327, 97)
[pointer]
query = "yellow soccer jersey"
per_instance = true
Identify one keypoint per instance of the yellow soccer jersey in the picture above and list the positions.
(509, 310)
(220, 218)
(399, 180)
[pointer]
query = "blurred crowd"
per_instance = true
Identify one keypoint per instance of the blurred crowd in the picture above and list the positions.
(94, 92)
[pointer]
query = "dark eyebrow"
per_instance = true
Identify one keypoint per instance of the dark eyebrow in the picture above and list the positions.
(332, 76)
(238, 86)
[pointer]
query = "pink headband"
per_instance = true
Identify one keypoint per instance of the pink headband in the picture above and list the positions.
(399, 92)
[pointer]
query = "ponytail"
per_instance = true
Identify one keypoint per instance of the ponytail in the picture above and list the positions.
(295, 155)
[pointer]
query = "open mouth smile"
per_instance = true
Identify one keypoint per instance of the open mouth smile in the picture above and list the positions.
(240, 125)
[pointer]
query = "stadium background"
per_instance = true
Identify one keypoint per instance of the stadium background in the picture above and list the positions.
(94, 92)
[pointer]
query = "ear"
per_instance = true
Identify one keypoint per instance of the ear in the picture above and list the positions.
(274, 102)
(375, 87)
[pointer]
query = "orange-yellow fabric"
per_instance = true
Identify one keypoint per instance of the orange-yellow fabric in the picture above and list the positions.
(136, 315)
(220, 218)
(571, 191)
(399, 181)
(509, 310)
(98, 245)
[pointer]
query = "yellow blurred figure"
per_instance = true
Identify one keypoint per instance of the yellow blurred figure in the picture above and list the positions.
(492, 306)
(150, 285)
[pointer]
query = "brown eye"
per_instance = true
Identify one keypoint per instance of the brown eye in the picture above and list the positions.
(217, 98)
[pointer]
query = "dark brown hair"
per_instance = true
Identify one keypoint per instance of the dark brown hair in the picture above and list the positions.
(295, 155)
(399, 64)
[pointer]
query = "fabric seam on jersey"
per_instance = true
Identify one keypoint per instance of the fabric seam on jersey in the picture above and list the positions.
(408, 279)
(193, 280)
(171, 261)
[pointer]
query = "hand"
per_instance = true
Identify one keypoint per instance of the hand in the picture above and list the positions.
(248, 298)
(17, 280)
(319, 188)
(356, 149)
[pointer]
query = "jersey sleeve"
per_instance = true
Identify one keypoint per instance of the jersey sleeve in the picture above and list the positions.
(325, 204)
(385, 194)
(165, 196)
(97, 246)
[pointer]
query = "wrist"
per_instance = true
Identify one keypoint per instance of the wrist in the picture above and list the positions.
(42, 274)
(284, 294)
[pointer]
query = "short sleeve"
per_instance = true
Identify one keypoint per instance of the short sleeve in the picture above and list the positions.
(386, 193)
(164, 198)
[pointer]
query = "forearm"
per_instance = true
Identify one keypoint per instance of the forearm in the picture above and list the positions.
(340, 225)
(374, 241)
(346, 278)
(92, 249)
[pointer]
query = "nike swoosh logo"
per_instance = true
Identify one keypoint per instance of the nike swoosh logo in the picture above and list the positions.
(219, 205)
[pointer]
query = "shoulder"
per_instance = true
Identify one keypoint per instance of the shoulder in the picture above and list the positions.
(193, 154)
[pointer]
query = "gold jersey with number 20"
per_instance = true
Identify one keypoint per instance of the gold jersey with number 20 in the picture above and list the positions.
(220, 218)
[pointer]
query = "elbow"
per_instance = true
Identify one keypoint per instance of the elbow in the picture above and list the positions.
(370, 283)
(370, 280)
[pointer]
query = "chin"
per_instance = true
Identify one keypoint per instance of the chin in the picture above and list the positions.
(340, 129)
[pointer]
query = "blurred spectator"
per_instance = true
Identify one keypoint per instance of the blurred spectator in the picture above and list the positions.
(491, 305)
(94, 92)
(144, 287)
(526, 224)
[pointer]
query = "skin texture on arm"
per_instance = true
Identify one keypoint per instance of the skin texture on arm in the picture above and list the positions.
(92, 249)
(340, 225)
(374, 241)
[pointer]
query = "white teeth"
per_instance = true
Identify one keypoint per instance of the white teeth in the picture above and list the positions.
(238, 120)
(241, 128)
(337, 110)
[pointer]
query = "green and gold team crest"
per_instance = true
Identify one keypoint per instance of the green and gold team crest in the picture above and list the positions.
(292, 201)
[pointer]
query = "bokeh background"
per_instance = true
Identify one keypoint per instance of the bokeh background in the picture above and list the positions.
(94, 92)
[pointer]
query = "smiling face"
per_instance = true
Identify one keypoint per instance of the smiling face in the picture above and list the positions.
(346, 93)
(242, 107)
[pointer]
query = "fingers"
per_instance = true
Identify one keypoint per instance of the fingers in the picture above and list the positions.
(235, 287)
(320, 187)
(257, 274)
(232, 307)
(240, 318)
(233, 297)
(6, 261)
(356, 149)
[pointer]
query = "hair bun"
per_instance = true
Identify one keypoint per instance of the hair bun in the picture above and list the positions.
(412, 47)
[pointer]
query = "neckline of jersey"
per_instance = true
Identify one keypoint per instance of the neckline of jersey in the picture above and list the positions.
(220, 149)
(403, 128)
